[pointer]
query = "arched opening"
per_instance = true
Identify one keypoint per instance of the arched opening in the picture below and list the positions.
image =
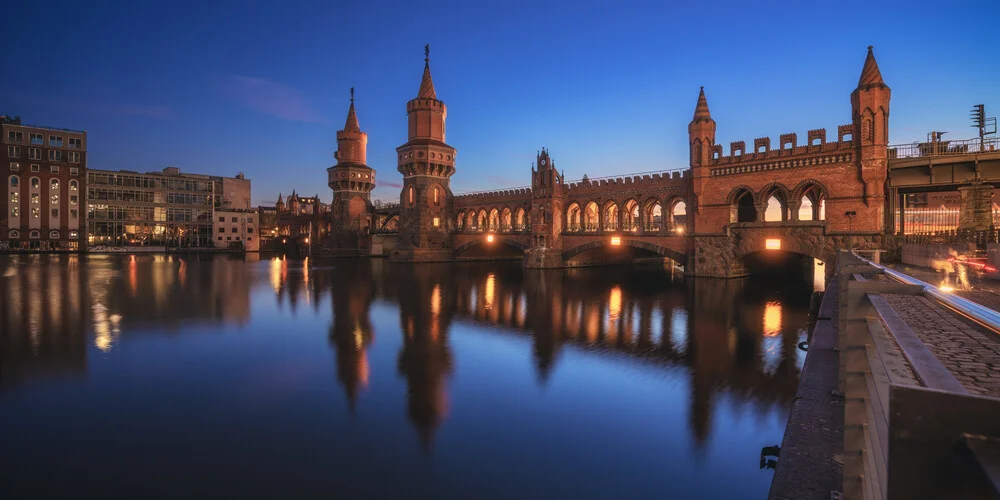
(460, 221)
(519, 222)
(611, 216)
(573, 217)
(590, 218)
(620, 250)
(409, 196)
(745, 209)
(498, 249)
(678, 217)
(437, 195)
(505, 221)
(775, 207)
(482, 223)
(653, 216)
(630, 216)
(812, 206)
(787, 266)
(494, 220)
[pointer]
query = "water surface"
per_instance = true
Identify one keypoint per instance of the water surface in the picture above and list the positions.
(183, 377)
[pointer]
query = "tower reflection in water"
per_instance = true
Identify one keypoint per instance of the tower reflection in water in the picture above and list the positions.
(734, 337)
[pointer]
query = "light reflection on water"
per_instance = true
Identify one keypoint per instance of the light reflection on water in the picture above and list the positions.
(485, 382)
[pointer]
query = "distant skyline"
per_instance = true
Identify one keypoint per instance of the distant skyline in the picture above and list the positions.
(607, 87)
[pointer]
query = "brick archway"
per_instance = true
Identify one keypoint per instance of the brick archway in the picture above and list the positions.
(523, 247)
(670, 253)
(753, 242)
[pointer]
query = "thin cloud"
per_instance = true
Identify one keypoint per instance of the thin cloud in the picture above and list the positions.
(383, 184)
(272, 98)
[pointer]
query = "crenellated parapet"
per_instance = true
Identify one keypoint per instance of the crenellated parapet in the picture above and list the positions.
(816, 151)
(503, 196)
(646, 181)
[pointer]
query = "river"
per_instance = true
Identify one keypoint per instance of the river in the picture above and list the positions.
(155, 376)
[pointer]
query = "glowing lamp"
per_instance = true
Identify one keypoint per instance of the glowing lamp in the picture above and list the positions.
(307, 241)
(489, 238)
(946, 289)
(772, 244)
(680, 230)
(437, 222)
(616, 241)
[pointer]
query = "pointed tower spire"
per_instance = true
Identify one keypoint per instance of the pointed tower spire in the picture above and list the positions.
(870, 74)
(426, 84)
(701, 110)
(352, 117)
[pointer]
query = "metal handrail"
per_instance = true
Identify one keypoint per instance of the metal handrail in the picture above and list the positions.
(944, 148)
(982, 315)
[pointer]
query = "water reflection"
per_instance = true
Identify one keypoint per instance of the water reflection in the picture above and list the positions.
(729, 345)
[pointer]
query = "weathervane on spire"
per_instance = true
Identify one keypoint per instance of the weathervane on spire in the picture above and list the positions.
(427, 53)
(352, 95)
(870, 47)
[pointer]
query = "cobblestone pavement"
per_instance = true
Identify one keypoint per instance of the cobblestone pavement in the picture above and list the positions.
(970, 353)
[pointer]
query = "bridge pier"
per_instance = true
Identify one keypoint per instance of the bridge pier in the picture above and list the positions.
(543, 258)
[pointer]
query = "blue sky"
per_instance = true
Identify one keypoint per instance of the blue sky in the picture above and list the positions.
(607, 87)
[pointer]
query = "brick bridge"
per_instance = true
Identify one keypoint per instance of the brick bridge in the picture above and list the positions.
(808, 198)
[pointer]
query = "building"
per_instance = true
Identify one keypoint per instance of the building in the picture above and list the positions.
(352, 181)
(45, 170)
(163, 209)
(236, 230)
(268, 220)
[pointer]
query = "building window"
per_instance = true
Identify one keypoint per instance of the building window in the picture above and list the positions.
(410, 196)
(237, 238)
(220, 238)
(222, 219)
(249, 230)
(34, 153)
(14, 166)
(73, 235)
(74, 157)
(55, 214)
(72, 186)
(53, 169)
(55, 155)
(222, 229)
(14, 234)
(234, 220)
(35, 167)
(15, 181)
(56, 141)
(73, 214)
(15, 136)
(229, 238)
(249, 238)
(14, 151)
(234, 230)
(74, 171)
(36, 139)
(35, 183)
(35, 212)
(436, 190)
(437, 222)
(75, 142)
(54, 190)
(34, 234)
(35, 198)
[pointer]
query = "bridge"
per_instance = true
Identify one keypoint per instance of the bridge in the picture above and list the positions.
(714, 216)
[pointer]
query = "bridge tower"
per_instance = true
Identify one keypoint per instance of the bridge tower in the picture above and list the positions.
(427, 164)
(352, 182)
(870, 120)
(547, 193)
(701, 142)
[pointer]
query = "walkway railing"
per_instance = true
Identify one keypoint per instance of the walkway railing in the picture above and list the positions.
(905, 413)
(943, 148)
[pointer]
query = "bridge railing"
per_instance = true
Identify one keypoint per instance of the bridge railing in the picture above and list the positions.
(943, 148)
(905, 414)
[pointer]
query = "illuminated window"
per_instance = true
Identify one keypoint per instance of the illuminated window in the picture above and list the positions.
(772, 244)
(616, 240)
(410, 196)
(436, 196)
(437, 222)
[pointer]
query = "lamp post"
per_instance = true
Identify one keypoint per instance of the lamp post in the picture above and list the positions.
(850, 214)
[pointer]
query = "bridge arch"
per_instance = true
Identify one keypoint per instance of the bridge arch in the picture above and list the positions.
(743, 205)
(630, 215)
(661, 250)
(609, 215)
(774, 201)
(811, 196)
(479, 243)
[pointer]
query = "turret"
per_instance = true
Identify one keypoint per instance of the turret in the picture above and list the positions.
(351, 180)
(870, 118)
(427, 164)
(701, 133)
(279, 205)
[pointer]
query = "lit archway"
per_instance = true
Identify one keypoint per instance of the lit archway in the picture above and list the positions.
(505, 220)
(678, 217)
(590, 218)
(470, 221)
(812, 205)
(573, 217)
(519, 220)
(460, 221)
(494, 220)
(630, 216)
(611, 216)
(653, 212)
(482, 223)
